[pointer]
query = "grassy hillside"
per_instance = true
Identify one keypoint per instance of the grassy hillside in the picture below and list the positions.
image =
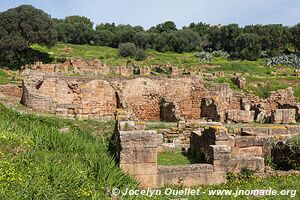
(53, 158)
(110, 56)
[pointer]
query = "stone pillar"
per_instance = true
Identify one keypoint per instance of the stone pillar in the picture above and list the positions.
(138, 155)
(241, 82)
(284, 116)
(220, 157)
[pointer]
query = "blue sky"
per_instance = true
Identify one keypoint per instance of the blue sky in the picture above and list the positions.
(182, 12)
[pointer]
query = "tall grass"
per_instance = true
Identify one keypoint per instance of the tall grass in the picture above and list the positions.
(38, 161)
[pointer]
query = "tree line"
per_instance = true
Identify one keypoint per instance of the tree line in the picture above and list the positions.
(25, 25)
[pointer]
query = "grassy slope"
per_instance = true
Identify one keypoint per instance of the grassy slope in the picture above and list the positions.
(37, 161)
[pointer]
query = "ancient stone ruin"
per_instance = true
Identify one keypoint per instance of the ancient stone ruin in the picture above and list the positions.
(149, 97)
(212, 119)
(227, 152)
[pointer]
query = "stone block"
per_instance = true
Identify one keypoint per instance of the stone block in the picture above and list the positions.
(147, 181)
(147, 155)
(138, 139)
(126, 126)
(240, 116)
(140, 168)
(251, 151)
(284, 116)
(254, 163)
(181, 125)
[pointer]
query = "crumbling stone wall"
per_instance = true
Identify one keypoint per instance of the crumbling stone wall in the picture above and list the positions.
(138, 156)
(11, 90)
(240, 116)
(99, 96)
(240, 151)
(69, 97)
(168, 110)
(93, 97)
(284, 116)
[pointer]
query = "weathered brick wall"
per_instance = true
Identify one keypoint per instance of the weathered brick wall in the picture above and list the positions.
(11, 90)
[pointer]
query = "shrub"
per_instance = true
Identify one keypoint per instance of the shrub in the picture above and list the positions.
(140, 55)
(127, 49)
(286, 156)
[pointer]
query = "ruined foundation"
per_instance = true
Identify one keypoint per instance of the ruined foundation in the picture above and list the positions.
(246, 149)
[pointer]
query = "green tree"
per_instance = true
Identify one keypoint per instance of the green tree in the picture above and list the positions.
(275, 38)
(167, 26)
(229, 34)
(142, 40)
(127, 49)
(76, 19)
(104, 38)
(296, 37)
(248, 46)
(201, 28)
(75, 30)
(21, 27)
(214, 38)
(140, 55)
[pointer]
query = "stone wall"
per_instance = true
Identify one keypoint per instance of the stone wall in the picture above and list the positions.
(240, 116)
(241, 151)
(94, 97)
(186, 97)
(284, 116)
(226, 152)
(138, 157)
(11, 90)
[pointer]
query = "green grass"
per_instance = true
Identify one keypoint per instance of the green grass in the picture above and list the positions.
(37, 161)
(243, 67)
(262, 86)
(176, 158)
(8, 77)
(110, 56)
(227, 80)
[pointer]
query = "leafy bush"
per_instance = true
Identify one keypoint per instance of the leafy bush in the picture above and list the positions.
(127, 49)
(289, 60)
(140, 55)
(286, 156)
